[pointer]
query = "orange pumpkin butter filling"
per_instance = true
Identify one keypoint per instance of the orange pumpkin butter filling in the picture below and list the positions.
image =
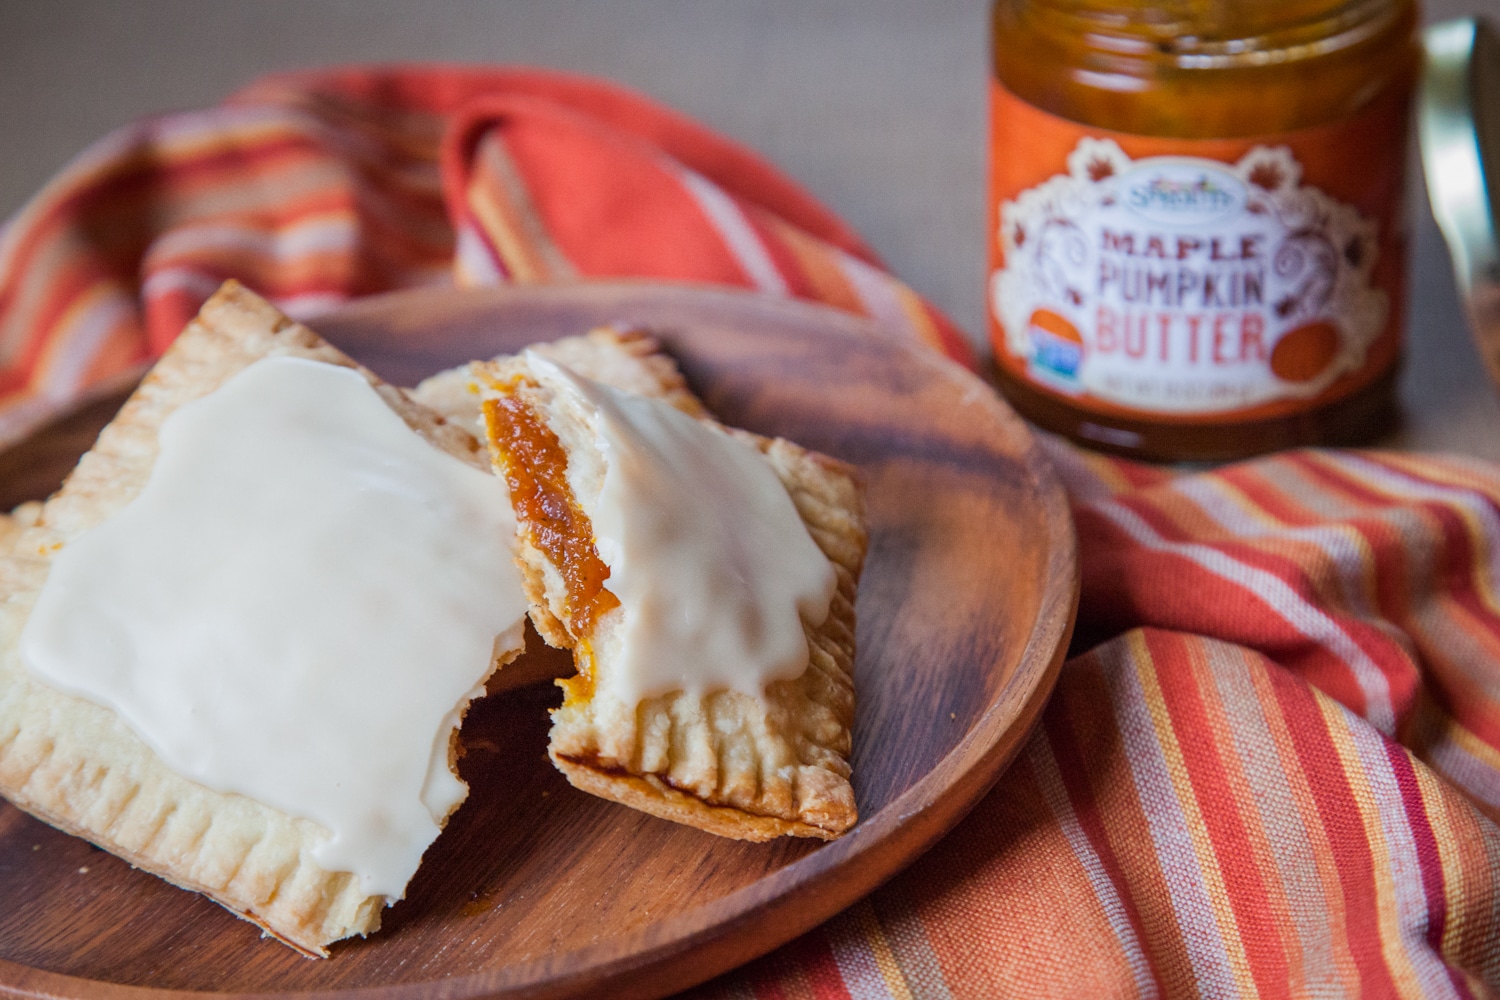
(535, 468)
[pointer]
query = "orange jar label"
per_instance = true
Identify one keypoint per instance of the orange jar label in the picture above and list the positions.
(1196, 280)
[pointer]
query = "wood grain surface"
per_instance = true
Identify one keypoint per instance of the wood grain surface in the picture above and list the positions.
(538, 890)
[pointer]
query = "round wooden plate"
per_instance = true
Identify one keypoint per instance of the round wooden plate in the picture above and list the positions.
(538, 890)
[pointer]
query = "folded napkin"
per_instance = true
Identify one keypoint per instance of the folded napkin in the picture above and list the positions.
(1274, 764)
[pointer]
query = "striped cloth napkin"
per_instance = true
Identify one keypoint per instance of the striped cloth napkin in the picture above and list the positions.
(1272, 769)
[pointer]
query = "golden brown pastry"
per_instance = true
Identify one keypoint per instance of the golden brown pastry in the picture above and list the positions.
(17, 521)
(76, 765)
(623, 357)
(722, 760)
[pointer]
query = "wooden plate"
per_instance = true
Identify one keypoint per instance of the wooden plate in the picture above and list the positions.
(538, 890)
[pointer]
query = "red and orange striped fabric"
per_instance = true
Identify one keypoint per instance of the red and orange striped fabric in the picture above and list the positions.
(1272, 769)
(1218, 801)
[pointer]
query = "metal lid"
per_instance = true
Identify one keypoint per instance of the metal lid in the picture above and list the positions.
(1459, 125)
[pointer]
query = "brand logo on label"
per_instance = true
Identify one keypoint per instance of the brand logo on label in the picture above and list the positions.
(1183, 194)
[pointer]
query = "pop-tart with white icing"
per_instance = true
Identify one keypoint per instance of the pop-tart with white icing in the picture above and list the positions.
(705, 580)
(236, 646)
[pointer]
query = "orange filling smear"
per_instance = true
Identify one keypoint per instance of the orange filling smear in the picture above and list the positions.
(535, 467)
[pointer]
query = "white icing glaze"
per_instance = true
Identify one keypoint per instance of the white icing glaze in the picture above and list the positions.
(712, 564)
(297, 608)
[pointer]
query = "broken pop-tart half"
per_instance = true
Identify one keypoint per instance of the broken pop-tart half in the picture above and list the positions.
(705, 579)
(235, 647)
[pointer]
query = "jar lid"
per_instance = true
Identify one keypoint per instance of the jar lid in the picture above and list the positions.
(1459, 125)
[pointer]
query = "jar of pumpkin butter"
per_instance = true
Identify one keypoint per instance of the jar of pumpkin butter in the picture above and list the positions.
(1196, 230)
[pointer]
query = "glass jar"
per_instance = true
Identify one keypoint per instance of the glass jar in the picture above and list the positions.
(1196, 232)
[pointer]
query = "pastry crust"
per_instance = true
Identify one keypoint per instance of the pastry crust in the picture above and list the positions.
(725, 762)
(17, 521)
(77, 766)
(622, 357)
